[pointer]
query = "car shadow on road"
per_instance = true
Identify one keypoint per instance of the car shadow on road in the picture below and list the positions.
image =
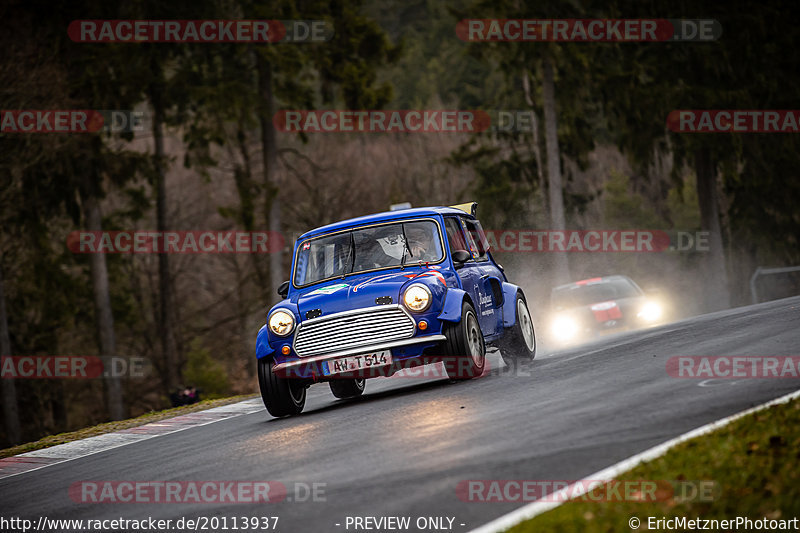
(409, 388)
(370, 397)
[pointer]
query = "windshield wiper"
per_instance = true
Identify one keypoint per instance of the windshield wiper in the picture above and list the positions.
(406, 248)
(352, 256)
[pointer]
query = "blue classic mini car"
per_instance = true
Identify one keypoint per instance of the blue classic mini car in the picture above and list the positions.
(372, 295)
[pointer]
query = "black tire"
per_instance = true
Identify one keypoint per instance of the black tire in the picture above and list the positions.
(281, 396)
(518, 344)
(347, 388)
(464, 349)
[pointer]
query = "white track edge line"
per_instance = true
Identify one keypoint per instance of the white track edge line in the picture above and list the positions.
(149, 437)
(580, 487)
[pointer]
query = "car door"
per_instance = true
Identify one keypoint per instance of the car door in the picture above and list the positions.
(490, 299)
(473, 274)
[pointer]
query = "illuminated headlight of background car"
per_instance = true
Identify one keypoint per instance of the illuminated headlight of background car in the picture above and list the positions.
(564, 328)
(650, 312)
(281, 322)
(417, 298)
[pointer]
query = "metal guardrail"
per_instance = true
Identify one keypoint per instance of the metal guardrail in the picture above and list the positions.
(765, 271)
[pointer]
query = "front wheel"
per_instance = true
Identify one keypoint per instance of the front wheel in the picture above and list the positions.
(518, 344)
(281, 396)
(347, 388)
(465, 351)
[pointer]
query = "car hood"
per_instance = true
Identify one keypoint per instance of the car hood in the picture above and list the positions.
(353, 292)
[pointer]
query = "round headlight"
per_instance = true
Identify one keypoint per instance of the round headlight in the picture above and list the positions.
(417, 297)
(281, 322)
(564, 328)
(650, 312)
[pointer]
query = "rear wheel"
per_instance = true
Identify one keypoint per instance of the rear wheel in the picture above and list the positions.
(281, 396)
(518, 344)
(465, 351)
(347, 388)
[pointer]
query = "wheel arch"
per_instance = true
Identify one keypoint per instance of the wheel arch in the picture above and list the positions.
(263, 349)
(510, 292)
(454, 299)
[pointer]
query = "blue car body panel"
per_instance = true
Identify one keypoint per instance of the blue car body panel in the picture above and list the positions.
(451, 312)
(482, 282)
(509, 305)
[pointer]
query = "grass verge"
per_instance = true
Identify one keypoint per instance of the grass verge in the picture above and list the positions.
(753, 463)
(109, 427)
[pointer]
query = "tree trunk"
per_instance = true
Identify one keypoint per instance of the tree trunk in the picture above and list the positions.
(270, 158)
(10, 408)
(105, 316)
(167, 329)
(245, 187)
(716, 275)
(243, 177)
(555, 186)
(537, 154)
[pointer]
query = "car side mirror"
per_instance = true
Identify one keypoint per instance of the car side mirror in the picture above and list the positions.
(460, 257)
(283, 289)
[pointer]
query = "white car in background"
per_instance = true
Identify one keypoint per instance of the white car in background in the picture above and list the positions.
(594, 307)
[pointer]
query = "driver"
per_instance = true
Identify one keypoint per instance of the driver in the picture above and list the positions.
(420, 244)
(370, 255)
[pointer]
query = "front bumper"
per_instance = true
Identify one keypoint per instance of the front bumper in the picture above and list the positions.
(402, 351)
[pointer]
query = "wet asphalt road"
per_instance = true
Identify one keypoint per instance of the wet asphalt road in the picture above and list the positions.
(403, 448)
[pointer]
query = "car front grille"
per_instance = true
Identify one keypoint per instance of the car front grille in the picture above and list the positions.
(351, 329)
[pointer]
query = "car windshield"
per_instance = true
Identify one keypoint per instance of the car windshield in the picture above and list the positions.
(369, 248)
(590, 293)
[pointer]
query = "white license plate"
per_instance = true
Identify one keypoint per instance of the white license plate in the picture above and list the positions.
(360, 362)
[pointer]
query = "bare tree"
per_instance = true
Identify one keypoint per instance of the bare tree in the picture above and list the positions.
(270, 167)
(105, 316)
(166, 318)
(556, 188)
(537, 154)
(10, 408)
(717, 295)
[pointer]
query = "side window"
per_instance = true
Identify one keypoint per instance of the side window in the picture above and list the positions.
(455, 237)
(477, 240)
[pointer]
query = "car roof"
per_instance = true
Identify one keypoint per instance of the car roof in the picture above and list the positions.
(603, 279)
(386, 216)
